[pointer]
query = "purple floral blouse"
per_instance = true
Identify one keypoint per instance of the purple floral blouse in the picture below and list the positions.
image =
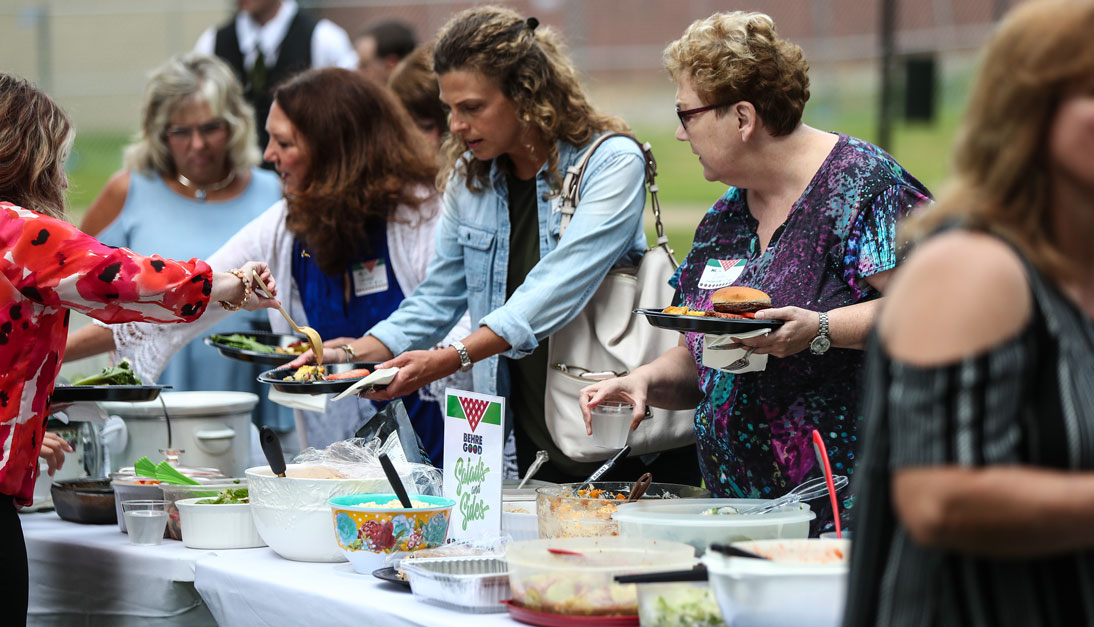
(754, 430)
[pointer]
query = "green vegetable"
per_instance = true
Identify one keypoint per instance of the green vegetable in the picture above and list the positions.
(228, 497)
(687, 606)
(242, 342)
(167, 473)
(145, 468)
(122, 374)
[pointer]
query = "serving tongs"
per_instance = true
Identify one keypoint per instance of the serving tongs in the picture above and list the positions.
(308, 332)
(812, 489)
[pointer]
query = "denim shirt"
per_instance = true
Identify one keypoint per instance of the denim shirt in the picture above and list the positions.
(471, 256)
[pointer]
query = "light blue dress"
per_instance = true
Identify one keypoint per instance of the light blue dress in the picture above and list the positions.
(156, 220)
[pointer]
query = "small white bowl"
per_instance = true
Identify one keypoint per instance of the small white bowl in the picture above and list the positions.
(224, 526)
(519, 520)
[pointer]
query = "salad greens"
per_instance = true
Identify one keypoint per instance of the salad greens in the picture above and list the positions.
(242, 342)
(228, 497)
(122, 374)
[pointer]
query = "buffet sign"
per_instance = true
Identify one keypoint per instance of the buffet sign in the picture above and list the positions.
(474, 437)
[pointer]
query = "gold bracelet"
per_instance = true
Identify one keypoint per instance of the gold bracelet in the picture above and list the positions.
(350, 353)
(236, 272)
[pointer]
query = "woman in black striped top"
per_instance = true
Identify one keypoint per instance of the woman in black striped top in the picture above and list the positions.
(975, 494)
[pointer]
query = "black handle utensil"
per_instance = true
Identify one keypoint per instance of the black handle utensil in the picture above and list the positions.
(271, 447)
(395, 481)
(732, 551)
(599, 472)
(699, 573)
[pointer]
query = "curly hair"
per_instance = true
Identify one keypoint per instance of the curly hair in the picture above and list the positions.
(1002, 179)
(181, 80)
(415, 85)
(35, 140)
(735, 56)
(532, 69)
(365, 158)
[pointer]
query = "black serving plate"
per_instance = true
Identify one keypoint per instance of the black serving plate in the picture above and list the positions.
(262, 337)
(276, 378)
(96, 393)
(389, 575)
(703, 324)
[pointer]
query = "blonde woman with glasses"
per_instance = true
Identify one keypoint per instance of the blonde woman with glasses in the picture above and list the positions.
(189, 183)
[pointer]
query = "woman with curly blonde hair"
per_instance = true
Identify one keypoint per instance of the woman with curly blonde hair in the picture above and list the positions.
(518, 118)
(809, 218)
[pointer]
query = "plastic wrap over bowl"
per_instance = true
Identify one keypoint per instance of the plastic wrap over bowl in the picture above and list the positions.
(292, 515)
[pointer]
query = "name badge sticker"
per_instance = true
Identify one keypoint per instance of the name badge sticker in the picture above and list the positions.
(369, 277)
(720, 273)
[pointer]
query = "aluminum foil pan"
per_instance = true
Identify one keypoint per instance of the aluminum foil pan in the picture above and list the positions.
(468, 584)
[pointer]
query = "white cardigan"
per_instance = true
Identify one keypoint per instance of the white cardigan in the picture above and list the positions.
(267, 238)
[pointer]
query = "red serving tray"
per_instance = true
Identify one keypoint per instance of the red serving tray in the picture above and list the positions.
(546, 619)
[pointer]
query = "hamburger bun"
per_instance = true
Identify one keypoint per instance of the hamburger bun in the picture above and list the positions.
(739, 300)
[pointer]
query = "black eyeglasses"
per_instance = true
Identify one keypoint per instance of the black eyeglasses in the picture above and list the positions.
(685, 114)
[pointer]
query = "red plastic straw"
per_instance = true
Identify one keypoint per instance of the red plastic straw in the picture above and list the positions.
(822, 458)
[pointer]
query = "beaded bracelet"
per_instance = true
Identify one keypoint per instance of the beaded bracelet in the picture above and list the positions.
(246, 291)
(350, 353)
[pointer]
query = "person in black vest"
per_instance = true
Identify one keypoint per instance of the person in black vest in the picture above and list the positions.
(270, 40)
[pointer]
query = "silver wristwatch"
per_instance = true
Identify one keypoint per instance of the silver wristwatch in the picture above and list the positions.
(822, 342)
(465, 358)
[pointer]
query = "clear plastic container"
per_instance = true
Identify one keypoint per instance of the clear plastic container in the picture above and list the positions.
(611, 422)
(468, 584)
(564, 512)
(584, 584)
(678, 604)
(683, 521)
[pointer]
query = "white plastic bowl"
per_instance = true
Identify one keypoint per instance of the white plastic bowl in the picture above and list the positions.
(225, 526)
(292, 515)
(682, 521)
(805, 583)
(519, 520)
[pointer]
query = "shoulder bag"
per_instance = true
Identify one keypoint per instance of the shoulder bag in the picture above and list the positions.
(607, 339)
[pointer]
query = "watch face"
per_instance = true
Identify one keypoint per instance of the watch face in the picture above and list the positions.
(820, 345)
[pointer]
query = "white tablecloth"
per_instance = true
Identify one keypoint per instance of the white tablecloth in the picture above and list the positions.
(91, 575)
(257, 587)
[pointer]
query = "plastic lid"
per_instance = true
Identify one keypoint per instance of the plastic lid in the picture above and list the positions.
(211, 403)
(688, 512)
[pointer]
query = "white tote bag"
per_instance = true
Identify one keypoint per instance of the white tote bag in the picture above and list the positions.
(608, 337)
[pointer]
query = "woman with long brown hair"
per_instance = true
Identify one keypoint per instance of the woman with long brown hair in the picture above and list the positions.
(351, 239)
(975, 494)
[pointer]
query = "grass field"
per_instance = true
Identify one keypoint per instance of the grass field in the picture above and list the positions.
(848, 106)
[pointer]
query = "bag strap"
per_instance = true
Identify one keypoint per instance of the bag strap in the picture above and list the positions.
(571, 189)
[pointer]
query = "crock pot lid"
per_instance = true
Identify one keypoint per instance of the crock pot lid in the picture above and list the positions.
(206, 403)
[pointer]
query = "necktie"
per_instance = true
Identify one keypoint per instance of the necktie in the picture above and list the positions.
(258, 73)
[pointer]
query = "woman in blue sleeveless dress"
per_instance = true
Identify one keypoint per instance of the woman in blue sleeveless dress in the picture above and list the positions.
(189, 183)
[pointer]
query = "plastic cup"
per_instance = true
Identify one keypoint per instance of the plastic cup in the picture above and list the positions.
(145, 520)
(611, 421)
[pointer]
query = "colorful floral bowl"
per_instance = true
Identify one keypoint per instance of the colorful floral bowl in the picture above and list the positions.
(368, 527)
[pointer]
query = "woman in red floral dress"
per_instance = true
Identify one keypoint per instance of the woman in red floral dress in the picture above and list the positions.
(47, 267)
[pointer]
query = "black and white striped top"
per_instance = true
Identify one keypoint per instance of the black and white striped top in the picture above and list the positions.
(1028, 401)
